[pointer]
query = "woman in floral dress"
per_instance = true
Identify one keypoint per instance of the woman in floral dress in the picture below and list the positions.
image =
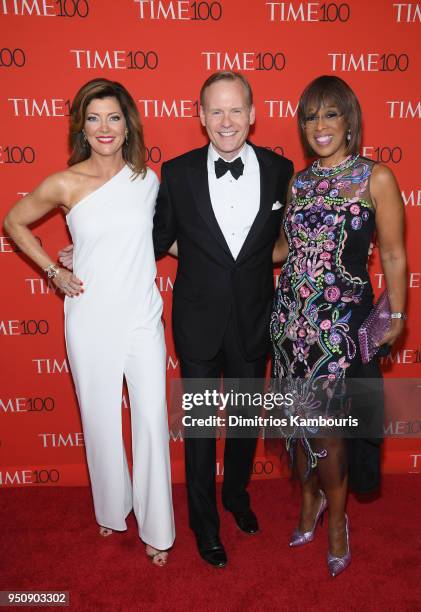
(324, 293)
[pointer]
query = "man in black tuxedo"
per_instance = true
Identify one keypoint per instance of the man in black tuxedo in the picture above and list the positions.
(223, 206)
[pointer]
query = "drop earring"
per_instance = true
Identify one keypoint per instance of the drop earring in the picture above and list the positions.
(127, 136)
(348, 136)
(85, 140)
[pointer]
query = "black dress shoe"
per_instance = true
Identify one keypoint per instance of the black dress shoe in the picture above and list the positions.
(212, 551)
(246, 521)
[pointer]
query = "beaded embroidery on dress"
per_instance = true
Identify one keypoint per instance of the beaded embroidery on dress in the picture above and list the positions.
(324, 292)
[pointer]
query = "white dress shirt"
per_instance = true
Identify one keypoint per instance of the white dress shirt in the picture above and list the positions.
(235, 202)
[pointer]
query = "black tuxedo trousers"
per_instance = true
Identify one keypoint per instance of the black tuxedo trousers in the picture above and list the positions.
(200, 452)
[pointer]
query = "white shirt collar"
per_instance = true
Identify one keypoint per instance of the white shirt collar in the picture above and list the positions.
(213, 155)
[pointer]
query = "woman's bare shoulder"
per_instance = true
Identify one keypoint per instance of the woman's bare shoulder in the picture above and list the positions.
(68, 181)
(59, 186)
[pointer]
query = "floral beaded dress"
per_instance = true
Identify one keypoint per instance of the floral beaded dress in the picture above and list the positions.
(324, 291)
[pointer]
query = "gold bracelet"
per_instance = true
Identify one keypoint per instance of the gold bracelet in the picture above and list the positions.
(52, 270)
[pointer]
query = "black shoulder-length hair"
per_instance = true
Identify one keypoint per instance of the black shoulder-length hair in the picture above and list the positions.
(331, 90)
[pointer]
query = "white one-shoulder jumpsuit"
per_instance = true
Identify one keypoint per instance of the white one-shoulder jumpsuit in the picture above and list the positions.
(113, 329)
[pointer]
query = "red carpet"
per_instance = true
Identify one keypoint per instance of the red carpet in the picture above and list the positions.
(49, 541)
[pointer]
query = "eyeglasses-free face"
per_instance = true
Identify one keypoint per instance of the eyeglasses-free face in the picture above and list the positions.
(105, 126)
(227, 116)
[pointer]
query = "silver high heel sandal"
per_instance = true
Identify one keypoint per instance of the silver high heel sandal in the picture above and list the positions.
(299, 538)
(337, 565)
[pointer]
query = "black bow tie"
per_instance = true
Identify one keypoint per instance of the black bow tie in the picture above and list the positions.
(236, 167)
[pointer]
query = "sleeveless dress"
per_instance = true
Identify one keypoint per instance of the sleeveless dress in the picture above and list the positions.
(324, 292)
(114, 329)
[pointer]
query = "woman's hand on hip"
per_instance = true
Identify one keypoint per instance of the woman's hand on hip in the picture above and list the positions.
(68, 283)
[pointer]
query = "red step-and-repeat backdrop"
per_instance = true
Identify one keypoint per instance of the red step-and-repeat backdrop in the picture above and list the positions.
(162, 51)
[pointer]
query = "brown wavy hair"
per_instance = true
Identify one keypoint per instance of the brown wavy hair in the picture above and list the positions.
(134, 150)
(331, 90)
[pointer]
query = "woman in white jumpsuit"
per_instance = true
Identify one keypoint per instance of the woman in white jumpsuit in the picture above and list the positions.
(113, 320)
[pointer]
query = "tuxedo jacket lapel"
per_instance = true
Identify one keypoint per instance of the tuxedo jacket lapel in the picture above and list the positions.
(267, 187)
(198, 177)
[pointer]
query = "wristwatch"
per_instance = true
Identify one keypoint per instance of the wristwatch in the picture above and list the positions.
(398, 315)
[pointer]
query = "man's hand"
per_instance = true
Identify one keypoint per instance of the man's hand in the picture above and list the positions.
(65, 257)
(173, 250)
